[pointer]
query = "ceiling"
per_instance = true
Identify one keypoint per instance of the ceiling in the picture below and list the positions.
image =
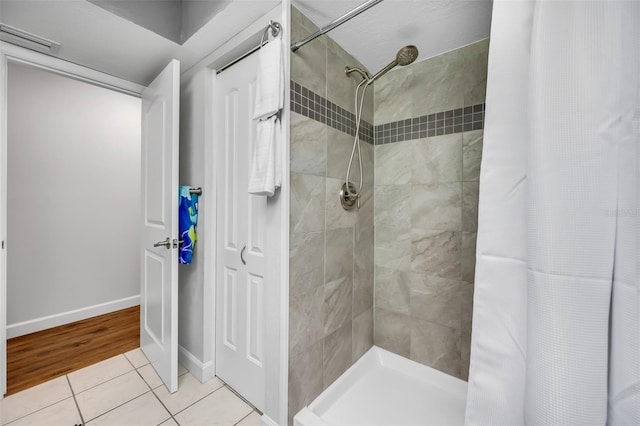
(176, 20)
(374, 36)
(96, 38)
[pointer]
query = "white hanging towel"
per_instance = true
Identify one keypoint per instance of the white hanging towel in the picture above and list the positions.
(266, 165)
(270, 85)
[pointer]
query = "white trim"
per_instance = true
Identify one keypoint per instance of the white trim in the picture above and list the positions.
(210, 233)
(43, 323)
(203, 372)
(3, 221)
(69, 69)
(26, 39)
(284, 221)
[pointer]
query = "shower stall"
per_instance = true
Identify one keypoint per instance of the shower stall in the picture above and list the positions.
(384, 194)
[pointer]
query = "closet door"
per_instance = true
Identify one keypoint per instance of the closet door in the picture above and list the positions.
(159, 254)
(241, 230)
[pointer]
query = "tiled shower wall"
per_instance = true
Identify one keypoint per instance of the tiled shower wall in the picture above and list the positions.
(331, 250)
(428, 127)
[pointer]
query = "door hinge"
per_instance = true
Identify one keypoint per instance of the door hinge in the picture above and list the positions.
(2, 244)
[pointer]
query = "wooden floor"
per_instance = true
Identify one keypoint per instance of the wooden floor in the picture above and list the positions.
(38, 357)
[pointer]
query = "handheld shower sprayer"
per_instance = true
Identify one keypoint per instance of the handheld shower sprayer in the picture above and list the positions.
(405, 56)
(349, 196)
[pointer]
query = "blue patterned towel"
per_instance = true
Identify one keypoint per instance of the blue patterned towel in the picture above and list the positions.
(187, 223)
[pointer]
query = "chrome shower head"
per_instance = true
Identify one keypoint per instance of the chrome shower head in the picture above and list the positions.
(405, 56)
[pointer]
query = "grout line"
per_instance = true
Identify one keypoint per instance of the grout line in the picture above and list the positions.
(107, 381)
(165, 407)
(241, 397)
(42, 408)
(101, 383)
(131, 362)
(35, 411)
(73, 395)
(136, 397)
(145, 382)
(116, 407)
(73, 392)
(195, 402)
(185, 370)
(250, 413)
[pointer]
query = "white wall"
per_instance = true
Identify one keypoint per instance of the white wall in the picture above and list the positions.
(191, 290)
(73, 195)
(161, 17)
(196, 13)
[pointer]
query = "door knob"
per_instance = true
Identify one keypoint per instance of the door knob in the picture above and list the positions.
(166, 243)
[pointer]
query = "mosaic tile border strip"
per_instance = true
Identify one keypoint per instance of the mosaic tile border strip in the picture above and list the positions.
(441, 123)
(316, 107)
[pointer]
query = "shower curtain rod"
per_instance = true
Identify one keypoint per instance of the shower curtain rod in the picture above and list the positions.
(335, 23)
(275, 28)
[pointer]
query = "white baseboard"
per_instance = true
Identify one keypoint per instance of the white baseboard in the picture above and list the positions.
(201, 371)
(39, 324)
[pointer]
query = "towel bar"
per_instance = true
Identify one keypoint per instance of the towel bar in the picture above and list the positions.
(195, 191)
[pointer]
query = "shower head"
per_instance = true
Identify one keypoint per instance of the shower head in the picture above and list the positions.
(405, 56)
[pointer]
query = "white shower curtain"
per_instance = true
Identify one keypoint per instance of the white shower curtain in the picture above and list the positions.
(556, 322)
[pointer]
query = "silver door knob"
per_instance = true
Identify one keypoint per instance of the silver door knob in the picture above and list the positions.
(166, 243)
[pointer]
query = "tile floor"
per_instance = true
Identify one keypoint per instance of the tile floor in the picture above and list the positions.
(125, 390)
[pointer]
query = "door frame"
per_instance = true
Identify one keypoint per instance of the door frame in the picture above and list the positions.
(277, 381)
(10, 53)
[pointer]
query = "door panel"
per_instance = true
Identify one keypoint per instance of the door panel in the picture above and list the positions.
(255, 319)
(230, 308)
(231, 182)
(153, 302)
(159, 272)
(241, 223)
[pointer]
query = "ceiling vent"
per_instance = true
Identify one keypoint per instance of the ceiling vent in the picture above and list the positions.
(30, 41)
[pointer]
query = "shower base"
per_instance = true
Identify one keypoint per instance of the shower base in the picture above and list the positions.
(383, 389)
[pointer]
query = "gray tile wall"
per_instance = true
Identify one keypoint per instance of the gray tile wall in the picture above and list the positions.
(424, 212)
(426, 198)
(313, 105)
(331, 250)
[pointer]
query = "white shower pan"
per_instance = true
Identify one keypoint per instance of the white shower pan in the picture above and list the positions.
(385, 389)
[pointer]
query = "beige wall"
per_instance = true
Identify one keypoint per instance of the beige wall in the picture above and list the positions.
(331, 250)
(426, 197)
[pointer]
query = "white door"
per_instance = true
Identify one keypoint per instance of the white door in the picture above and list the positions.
(241, 230)
(159, 259)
